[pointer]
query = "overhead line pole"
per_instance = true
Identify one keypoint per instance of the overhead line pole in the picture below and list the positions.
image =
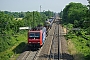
(33, 19)
(40, 13)
(58, 44)
(40, 8)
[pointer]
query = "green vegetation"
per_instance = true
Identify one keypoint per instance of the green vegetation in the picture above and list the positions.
(17, 47)
(49, 14)
(10, 36)
(16, 14)
(76, 15)
(13, 40)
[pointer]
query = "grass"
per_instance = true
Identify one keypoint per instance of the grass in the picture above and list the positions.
(77, 46)
(73, 51)
(14, 51)
(71, 48)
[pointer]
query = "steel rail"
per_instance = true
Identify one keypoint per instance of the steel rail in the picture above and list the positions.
(50, 56)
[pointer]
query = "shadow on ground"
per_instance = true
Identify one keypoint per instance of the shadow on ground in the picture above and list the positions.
(66, 56)
(55, 56)
(22, 47)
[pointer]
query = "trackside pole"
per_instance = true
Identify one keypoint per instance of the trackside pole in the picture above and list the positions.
(58, 43)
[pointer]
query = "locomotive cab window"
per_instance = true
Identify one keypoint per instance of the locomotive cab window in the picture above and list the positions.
(34, 35)
(31, 36)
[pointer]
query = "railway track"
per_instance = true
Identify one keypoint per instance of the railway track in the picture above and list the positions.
(32, 55)
(44, 53)
(28, 55)
(55, 45)
(52, 48)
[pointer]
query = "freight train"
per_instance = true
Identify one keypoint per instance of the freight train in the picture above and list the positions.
(37, 36)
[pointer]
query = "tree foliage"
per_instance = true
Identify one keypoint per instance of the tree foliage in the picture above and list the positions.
(15, 14)
(77, 15)
(49, 13)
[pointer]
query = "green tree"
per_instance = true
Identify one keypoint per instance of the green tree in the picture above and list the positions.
(74, 12)
(49, 13)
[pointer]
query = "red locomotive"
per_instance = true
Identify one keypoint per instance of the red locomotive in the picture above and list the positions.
(37, 37)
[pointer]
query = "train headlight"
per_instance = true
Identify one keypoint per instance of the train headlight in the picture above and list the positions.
(29, 42)
(38, 42)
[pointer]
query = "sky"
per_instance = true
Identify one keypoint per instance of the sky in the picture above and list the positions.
(34, 5)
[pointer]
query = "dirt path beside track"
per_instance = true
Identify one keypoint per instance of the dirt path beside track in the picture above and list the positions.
(64, 45)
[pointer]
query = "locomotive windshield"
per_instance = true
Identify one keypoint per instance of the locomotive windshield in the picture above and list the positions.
(34, 35)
